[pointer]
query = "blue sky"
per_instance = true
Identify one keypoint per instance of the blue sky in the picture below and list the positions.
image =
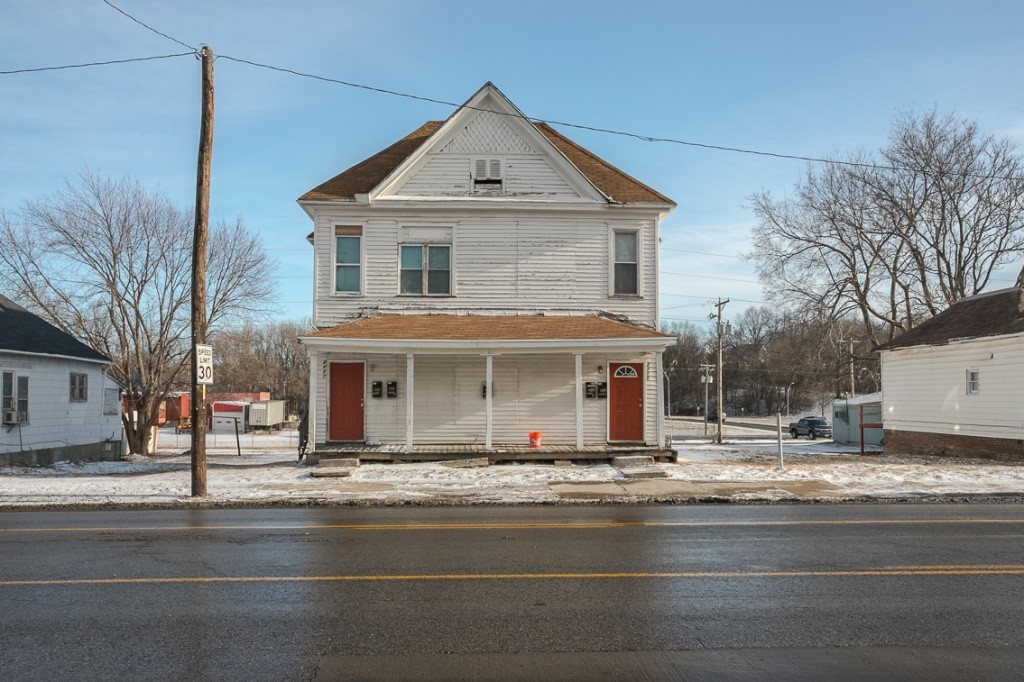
(804, 78)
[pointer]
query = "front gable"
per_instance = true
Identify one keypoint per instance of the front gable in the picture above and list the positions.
(488, 150)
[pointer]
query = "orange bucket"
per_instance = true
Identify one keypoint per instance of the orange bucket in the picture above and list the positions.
(535, 437)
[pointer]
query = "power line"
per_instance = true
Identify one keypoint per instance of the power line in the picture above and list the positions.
(147, 26)
(727, 279)
(609, 131)
(82, 66)
(702, 253)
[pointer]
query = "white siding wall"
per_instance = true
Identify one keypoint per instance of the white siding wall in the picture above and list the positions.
(925, 389)
(54, 420)
(528, 176)
(551, 264)
(531, 393)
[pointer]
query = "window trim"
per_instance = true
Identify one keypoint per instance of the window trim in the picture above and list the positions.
(83, 389)
(425, 270)
(111, 407)
(973, 387)
(334, 259)
(639, 262)
(14, 400)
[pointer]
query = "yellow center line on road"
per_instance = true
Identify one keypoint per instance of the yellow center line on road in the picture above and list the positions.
(1012, 569)
(584, 525)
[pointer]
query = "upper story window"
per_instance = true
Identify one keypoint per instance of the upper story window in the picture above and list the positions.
(79, 390)
(348, 250)
(626, 268)
(426, 269)
(973, 381)
(487, 176)
(14, 398)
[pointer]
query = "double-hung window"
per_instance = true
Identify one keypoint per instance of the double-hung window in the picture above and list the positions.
(14, 398)
(426, 269)
(973, 381)
(627, 270)
(79, 390)
(348, 258)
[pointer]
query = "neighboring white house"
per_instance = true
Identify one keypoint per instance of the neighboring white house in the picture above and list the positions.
(482, 279)
(56, 400)
(955, 383)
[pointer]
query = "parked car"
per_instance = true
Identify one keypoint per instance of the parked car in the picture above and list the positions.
(812, 427)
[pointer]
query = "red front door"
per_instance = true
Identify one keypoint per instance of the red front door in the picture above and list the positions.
(626, 402)
(345, 420)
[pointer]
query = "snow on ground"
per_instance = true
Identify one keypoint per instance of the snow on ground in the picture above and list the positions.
(267, 472)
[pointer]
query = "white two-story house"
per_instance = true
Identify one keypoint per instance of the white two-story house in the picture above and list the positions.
(480, 280)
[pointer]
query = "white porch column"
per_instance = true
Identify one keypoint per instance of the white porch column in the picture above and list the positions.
(578, 384)
(311, 408)
(408, 401)
(490, 397)
(659, 367)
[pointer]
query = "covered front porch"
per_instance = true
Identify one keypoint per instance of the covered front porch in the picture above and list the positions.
(437, 387)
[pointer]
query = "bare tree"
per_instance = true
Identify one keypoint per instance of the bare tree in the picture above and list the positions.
(264, 358)
(109, 262)
(900, 237)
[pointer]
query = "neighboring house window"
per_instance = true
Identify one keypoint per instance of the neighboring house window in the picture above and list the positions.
(626, 264)
(973, 381)
(14, 398)
(426, 269)
(79, 387)
(347, 258)
(487, 176)
(111, 401)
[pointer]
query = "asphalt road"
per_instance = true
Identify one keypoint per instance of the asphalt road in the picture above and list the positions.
(567, 593)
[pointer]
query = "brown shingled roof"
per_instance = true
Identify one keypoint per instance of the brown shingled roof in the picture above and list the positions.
(622, 188)
(486, 328)
(978, 316)
(367, 174)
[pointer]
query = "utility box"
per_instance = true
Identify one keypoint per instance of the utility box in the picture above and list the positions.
(266, 414)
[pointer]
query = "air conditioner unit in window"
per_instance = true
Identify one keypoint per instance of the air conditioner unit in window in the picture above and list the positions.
(10, 417)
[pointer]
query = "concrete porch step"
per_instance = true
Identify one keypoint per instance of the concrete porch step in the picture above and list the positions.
(632, 461)
(644, 472)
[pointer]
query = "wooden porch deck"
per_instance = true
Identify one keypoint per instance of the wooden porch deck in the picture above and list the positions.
(497, 454)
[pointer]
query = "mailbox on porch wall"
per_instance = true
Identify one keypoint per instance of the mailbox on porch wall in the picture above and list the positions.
(483, 392)
(392, 388)
(590, 389)
(602, 390)
(377, 389)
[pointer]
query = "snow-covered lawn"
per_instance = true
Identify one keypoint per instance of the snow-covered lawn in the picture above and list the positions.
(267, 472)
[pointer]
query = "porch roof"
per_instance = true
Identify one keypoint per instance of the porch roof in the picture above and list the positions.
(482, 331)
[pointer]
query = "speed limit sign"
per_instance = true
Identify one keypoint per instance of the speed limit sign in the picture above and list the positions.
(204, 364)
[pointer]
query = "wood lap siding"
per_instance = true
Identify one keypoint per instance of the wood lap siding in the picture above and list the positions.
(925, 389)
(531, 393)
(527, 265)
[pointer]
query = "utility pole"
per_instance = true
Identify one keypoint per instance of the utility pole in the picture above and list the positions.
(707, 380)
(199, 240)
(721, 410)
(853, 387)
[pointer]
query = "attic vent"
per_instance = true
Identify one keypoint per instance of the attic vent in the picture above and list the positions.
(487, 176)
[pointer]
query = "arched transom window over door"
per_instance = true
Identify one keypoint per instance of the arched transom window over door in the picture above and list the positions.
(625, 372)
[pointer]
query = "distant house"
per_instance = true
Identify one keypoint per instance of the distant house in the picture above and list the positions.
(480, 280)
(57, 401)
(955, 383)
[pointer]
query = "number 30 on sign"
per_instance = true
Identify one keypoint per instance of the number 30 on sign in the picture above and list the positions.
(204, 364)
